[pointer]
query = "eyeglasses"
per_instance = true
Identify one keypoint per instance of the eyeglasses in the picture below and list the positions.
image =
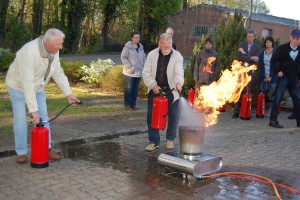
(136, 37)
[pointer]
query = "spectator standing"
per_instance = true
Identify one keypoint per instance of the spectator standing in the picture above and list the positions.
(170, 31)
(163, 72)
(206, 65)
(286, 64)
(248, 54)
(133, 57)
(267, 77)
(35, 63)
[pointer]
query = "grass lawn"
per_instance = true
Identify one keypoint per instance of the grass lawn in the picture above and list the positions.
(56, 102)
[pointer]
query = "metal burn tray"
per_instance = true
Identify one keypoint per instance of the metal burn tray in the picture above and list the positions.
(196, 165)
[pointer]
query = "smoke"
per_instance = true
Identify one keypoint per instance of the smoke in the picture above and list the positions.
(189, 116)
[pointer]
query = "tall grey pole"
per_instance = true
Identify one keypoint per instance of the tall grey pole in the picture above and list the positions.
(250, 14)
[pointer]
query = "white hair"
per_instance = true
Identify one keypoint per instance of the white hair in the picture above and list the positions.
(165, 36)
(53, 33)
(170, 28)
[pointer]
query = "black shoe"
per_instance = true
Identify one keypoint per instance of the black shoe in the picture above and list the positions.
(235, 115)
(275, 124)
(292, 116)
(298, 124)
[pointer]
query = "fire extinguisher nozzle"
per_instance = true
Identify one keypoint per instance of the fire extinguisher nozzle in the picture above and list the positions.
(80, 102)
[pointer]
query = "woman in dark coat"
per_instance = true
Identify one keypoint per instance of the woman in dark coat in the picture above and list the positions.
(267, 78)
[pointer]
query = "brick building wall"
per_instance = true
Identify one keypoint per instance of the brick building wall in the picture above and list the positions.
(278, 31)
(189, 25)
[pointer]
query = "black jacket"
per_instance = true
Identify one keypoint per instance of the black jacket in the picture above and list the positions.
(286, 64)
(254, 51)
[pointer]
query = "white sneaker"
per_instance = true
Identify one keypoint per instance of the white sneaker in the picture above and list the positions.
(170, 144)
(151, 147)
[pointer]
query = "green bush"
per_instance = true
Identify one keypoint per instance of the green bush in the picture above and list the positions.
(109, 78)
(96, 70)
(73, 71)
(6, 58)
(143, 89)
(113, 81)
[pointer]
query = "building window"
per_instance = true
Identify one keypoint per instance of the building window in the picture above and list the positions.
(199, 30)
(266, 33)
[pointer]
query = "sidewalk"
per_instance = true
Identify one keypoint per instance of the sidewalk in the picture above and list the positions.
(114, 165)
(93, 57)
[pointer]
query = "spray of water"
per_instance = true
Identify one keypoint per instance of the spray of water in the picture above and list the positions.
(189, 116)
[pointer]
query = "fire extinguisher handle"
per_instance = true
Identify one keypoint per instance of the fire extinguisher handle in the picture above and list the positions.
(41, 123)
(161, 93)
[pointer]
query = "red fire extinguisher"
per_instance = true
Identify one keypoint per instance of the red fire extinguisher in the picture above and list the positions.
(245, 112)
(159, 112)
(40, 142)
(40, 146)
(222, 108)
(191, 96)
(260, 105)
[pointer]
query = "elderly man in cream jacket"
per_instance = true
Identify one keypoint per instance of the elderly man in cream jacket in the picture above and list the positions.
(163, 72)
(35, 63)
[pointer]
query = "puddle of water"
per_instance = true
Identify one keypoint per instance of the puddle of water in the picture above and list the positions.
(102, 152)
(143, 167)
(7, 153)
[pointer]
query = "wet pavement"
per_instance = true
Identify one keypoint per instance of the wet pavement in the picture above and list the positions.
(117, 167)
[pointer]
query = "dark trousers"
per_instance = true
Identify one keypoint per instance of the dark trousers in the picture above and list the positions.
(283, 83)
(173, 119)
(131, 91)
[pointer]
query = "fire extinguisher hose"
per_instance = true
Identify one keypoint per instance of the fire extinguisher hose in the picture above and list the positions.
(51, 120)
(258, 178)
(161, 93)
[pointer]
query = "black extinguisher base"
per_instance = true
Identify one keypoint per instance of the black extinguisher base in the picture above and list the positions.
(260, 116)
(245, 118)
(39, 165)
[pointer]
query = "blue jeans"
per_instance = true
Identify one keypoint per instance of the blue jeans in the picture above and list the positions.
(173, 119)
(290, 83)
(20, 127)
(131, 91)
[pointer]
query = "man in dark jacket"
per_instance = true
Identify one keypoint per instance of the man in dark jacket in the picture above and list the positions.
(288, 71)
(248, 54)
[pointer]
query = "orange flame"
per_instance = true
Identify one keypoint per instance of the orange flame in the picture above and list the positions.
(207, 68)
(227, 89)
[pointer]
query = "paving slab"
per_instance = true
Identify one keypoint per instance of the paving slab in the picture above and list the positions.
(119, 168)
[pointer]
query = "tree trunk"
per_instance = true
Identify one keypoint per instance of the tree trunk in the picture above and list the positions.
(3, 11)
(75, 15)
(37, 17)
(110, 9)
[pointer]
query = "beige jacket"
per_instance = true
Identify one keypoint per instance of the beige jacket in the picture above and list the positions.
(175, 72)
(28, 70)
